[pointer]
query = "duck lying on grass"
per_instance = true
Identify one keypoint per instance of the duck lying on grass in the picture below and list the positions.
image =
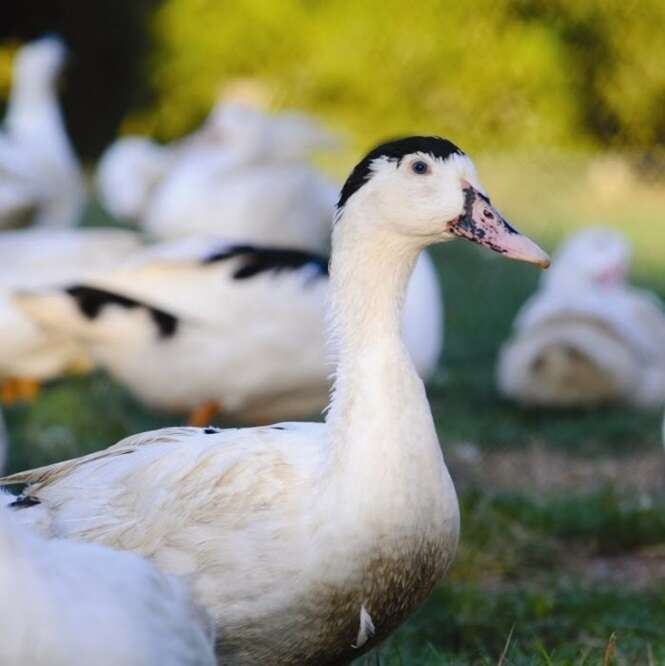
(308, 542)
(587, 337)
(205, 326)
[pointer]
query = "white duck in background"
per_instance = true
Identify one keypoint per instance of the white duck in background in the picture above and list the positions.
(587, 336)
(205, 326)
(40, 179)
(4, 442)
(308, 542)
(127, 174)
(251, 185)
(38, 257)
(65, 603)
(243, 175)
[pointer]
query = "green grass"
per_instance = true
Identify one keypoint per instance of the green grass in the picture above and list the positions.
(554, 623)
(524, 553)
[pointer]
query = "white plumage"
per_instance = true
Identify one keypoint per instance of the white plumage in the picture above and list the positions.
(252, 346)
(587, 336)
(297, 533)
(40, 180)
(33, 258)
(243, 175)
(4, 441)
(128, 172)
(64, 603)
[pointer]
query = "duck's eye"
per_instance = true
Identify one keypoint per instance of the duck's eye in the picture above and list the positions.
(420, 167)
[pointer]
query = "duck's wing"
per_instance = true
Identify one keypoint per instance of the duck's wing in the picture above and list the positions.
(159, 487)
(47, 474)
(197, 281)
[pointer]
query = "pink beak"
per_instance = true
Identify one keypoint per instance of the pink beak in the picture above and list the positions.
(483, 224)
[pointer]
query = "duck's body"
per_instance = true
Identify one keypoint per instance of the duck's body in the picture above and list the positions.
(73, 604)
(218, 192)
(243, 175)
(238, 326)
(41, 178)
(587, 337)
(309, 543)
(36, 258)
(128, 172)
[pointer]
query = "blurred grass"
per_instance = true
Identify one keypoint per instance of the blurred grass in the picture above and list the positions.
(511, 568)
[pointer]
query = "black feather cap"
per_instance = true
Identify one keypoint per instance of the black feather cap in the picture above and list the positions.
(395, 150)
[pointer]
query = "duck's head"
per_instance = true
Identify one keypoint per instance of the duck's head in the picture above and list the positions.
(593, 256)
(40, 62)
(426, 189)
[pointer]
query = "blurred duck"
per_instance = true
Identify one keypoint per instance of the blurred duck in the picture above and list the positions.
(127, 174)
(4, 441)
(64, 603)
(40, 180)
(587, 336)
(308, 542)
(37, 257)
(243, 176)
(199, 325)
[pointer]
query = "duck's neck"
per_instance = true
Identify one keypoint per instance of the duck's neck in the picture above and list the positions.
(33, 109)
(379, 417)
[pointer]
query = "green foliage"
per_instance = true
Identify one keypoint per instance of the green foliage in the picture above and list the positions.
(475, 71)
(491, 73)
(563, 624)
(615, 59)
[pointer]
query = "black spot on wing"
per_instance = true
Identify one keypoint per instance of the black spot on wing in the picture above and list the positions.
(254, 260)
(211, 430)
(24, 502)
(91, 301)
(395, 150)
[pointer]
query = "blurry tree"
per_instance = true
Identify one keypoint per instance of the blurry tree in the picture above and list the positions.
(493, 74)
(475, 71)
(615, 53)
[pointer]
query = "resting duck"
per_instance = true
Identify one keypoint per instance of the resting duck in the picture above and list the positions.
(587, 337)
(65, 603)
(243, 175)
(40, 179)
(204, 326)
(127, 174)
(245, 178)
(37, 257)
(308, 542)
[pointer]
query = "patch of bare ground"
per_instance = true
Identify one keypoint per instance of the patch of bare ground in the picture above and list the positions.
(638, 570)
(539, 469)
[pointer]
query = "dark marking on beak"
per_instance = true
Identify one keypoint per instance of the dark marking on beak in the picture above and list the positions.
(481, 223)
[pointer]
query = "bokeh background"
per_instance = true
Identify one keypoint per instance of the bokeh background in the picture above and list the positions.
(562, 106)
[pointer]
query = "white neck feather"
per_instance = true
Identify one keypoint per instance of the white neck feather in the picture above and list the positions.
(379, 418)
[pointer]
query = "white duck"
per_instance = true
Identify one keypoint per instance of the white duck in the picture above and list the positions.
(309, 542)
(64, 603)
(202, 326)
(128, 172)
(251, 185)
(4, 441)
(586, 336)
(242, 175)
(39, 175)
(38, 257)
